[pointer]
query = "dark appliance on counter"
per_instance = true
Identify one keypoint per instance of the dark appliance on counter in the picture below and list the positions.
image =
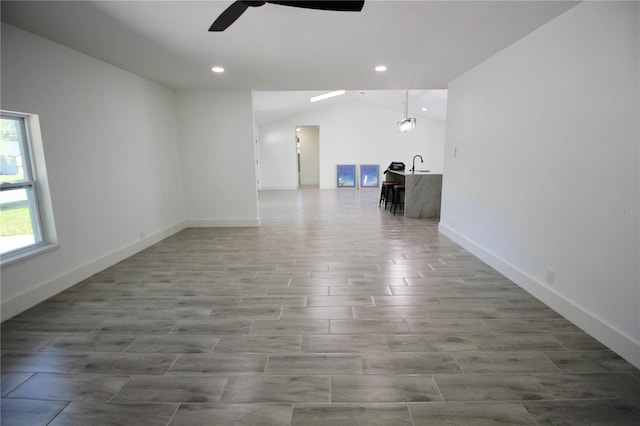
(396, 166)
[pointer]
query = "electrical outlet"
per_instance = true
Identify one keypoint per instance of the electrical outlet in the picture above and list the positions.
(550, 276)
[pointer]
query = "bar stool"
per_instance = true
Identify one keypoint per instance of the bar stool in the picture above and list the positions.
(390, 195)
(385, 193)
(398, 198)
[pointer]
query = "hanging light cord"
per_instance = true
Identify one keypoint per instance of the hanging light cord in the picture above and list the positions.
(406, 104)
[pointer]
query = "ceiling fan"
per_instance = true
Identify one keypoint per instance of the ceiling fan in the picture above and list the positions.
(237, 8)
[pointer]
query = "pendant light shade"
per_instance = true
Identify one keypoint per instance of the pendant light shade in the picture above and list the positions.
(406, 123)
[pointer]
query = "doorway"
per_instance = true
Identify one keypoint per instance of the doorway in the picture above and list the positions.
(308, 149)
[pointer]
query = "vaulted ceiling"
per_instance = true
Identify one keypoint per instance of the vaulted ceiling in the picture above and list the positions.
(424, 44)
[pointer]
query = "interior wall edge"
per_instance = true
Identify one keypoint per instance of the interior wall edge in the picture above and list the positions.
(621, 343)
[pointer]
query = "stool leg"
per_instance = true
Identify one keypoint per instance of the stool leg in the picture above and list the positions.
(396, 199)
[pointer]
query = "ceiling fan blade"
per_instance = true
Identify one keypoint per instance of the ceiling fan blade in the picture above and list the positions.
(229, 16)
(237, 8)
(340, 6)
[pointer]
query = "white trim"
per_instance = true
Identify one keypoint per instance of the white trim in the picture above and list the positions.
(32, 297)
(277, 188)
(23, 301)
(222, 223)
(621, 343)
(40, 208)
(25, 253)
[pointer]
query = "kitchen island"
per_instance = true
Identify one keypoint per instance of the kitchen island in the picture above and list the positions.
(423, 192)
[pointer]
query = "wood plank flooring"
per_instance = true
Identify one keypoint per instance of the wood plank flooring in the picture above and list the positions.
(333, 312)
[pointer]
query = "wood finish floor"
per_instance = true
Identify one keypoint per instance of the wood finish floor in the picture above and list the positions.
(333, 312)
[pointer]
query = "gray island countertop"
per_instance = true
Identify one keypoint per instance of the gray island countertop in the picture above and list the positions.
(423, 193)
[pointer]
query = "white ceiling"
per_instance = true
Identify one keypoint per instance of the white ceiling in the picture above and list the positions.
(274, 48)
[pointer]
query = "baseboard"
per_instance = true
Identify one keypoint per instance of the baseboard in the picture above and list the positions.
(23, 301)
(32, 297)
(621, 343)
(222, 223)
(277, 188)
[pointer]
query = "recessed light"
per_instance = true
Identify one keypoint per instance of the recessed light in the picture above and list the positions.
(381, 68)
(217, 69)
(424, 109)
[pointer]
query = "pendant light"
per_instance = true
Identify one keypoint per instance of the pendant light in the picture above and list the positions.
(406, 123)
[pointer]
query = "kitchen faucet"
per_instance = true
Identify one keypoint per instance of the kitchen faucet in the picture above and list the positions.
(413, 168)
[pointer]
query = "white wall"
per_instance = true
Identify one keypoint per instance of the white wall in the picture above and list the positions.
(350, 133)
(216, 132)
(277, 159)
(546, 173)
(113, 162)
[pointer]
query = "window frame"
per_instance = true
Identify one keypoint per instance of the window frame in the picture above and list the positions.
(44, 238)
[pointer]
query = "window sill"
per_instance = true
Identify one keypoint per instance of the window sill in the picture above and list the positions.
(20, 255)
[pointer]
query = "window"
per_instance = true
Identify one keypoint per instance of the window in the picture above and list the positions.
(21, 221)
